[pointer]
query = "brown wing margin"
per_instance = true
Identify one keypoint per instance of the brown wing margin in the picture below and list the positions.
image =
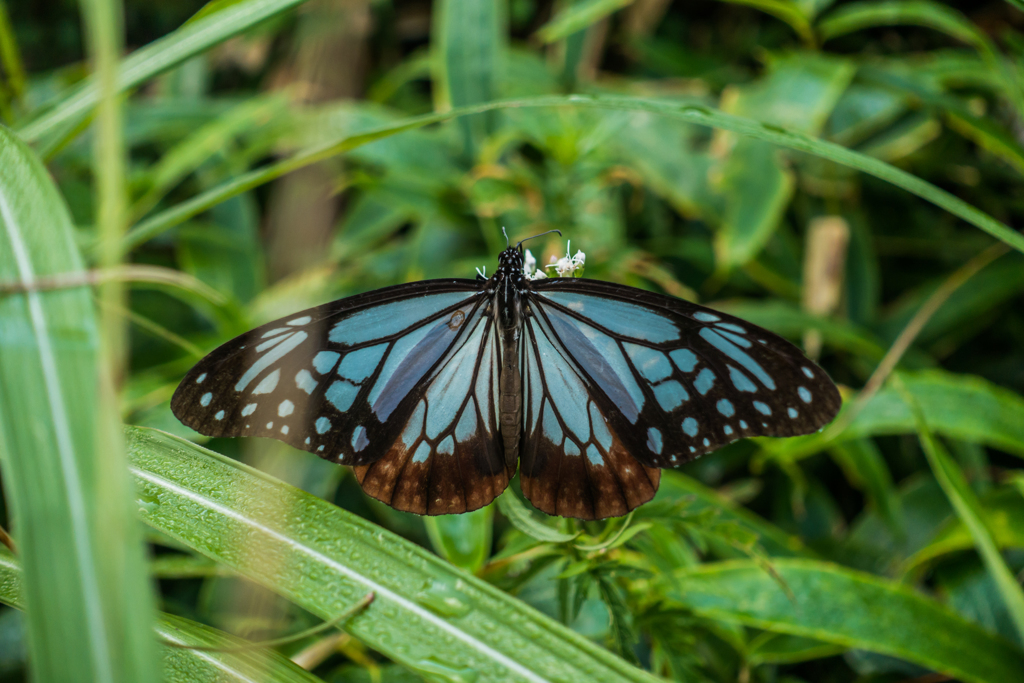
(573, 463)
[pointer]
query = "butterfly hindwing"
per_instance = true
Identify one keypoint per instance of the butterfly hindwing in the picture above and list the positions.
(340, 380)
(448, 458)
(677, 380)
(574, 463)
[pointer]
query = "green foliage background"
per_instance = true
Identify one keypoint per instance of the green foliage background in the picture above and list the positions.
(207, 168)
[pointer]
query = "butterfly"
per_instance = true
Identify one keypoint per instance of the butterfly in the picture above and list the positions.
(434, 392)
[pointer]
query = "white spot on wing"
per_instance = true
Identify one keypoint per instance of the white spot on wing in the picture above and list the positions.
(286, 408)
(268, 358)
(249, 410)
(304, 320)
(205, 400)
(269, 383)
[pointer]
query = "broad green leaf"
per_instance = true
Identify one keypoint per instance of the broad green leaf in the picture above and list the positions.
(525, 521)
(970, 512)
(831, 604)
(181, 664)
(686, 113)
(668, 158)
(191, 39)
(578, 16)
(1003, 512)
(862, 111)
(781, 648)
(798, 93)
(64, 478)
(757, 190)
(464, 540)
(471, 37)
(961, 407)
(785, 10)
(427, 615)
(675, 486)
(861, 15)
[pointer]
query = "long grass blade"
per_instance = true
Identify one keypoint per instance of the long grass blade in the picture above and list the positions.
(159, 56)
(969, 510)
(69, 496)
(427, 615)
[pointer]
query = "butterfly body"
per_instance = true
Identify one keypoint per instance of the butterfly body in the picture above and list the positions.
(436, 391)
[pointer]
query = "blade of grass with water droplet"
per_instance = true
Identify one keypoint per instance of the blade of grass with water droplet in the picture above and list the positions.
(427, 615)
(180, 664)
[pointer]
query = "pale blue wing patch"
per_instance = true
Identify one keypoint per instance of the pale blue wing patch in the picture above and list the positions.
(619, 317)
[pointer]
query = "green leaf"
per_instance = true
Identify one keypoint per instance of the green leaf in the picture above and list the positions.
(181, 664)
(757, 190)
(427, 615)
(64, 474)
(934, 15)
(675, 486)
(784, 10)
(780, 648)
(799, 91)
(576, 17)
(464, 540)
(848, 608)
(861, 15)
(523, 520)
(188, 41)
(969, 510)
(471, 36)
(1003, 512)
(686, 113)
(958, 406)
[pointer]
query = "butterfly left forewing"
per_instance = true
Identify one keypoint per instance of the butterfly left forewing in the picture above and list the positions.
(340, 380)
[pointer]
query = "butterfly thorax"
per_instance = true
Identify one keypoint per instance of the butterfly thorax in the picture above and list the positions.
(509, 285)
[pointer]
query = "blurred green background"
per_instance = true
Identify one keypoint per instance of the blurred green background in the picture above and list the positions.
(286, 157)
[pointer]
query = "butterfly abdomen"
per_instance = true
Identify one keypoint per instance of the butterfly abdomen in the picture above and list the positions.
(510, 399)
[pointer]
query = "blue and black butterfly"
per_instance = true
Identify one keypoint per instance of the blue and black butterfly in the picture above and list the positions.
(434, 391)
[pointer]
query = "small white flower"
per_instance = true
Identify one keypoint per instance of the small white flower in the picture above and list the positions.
(530, 269)
(569, 266)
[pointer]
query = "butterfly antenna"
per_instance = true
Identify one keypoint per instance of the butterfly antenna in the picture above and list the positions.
(507, 243)
(538, 235)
